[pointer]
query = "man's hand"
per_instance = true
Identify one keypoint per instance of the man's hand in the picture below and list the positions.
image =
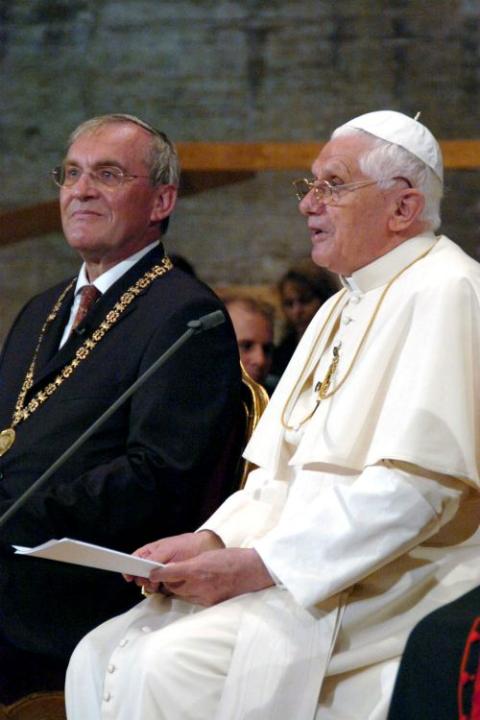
(174, 549)
(213, 576)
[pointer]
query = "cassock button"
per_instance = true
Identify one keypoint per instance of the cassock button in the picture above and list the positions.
(107, 696)
(146, 629)
(111, 668)
(355, 299)
(123, 642)
(346, 319)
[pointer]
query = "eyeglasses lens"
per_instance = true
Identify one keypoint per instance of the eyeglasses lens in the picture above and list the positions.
(322, 192)
(110, 177)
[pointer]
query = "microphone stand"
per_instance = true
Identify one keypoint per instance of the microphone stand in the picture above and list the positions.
(195, 327)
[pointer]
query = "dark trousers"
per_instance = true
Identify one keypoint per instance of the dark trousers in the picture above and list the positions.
(429, 673)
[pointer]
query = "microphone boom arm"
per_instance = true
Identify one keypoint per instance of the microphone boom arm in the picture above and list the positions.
(195, 327)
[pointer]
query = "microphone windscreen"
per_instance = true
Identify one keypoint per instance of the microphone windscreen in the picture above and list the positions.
(206, 322)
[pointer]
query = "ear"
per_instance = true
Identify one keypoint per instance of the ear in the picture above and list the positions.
(408, 205)
(163, 202)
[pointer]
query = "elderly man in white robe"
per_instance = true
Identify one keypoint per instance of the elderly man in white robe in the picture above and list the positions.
(295, 599)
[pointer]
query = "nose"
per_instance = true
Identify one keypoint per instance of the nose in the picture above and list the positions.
(259, 357)
(310, 204)
(297, 309)
(258, 363)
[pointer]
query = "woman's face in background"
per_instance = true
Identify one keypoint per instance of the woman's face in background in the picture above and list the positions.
(299, 305)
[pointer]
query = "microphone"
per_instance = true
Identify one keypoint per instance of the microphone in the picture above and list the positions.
(206, 322)
(195, 327)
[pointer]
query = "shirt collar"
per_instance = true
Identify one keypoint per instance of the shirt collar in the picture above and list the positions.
(381, 270)
(104, 281)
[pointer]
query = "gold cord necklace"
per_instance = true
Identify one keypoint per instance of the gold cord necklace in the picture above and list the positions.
(322, 388)
(21, 413)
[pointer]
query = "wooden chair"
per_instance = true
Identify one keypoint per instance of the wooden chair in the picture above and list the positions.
(51, 705)
(255, 400)
(37, 706)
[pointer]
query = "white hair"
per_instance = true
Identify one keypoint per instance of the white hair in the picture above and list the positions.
(383, 161)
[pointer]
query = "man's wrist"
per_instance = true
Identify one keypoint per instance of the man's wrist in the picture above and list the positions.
(211, 540)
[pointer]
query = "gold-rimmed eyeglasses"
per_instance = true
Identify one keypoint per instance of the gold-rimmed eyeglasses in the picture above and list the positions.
(107, 176)
(323, 191)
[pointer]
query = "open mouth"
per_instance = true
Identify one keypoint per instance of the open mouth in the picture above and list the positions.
(317, 233)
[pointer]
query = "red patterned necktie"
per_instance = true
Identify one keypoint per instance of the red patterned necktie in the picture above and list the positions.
(88, 296)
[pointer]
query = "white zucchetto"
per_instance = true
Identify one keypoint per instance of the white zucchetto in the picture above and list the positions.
(399, 129)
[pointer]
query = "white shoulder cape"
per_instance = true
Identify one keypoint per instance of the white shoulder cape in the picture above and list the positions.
(412, 394)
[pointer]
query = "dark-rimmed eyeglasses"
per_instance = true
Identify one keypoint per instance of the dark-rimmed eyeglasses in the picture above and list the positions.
(107, 176)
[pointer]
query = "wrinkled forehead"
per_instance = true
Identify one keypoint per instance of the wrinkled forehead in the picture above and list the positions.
(112, 143)
(341, 156)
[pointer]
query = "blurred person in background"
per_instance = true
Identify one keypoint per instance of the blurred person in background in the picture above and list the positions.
(303, 290)
(253, 324)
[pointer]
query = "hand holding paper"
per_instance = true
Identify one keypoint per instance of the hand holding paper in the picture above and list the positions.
(94, 556)
(174, 549)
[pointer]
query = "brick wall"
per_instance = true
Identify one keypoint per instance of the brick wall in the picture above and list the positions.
(225, 70)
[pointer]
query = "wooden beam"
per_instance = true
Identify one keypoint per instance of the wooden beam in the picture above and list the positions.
(31, 221)
(216, 156)
(461, 154)
(247, 156)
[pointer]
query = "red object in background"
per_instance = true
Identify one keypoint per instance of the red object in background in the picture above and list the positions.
(469, 678)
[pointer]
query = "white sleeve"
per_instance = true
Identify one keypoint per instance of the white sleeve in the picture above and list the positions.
(249, 513)
(351, 529)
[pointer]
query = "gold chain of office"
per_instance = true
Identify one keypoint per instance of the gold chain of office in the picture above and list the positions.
(322, 388)
(21, 413)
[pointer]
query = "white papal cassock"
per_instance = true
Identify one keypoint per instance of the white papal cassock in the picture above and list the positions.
(366, 514)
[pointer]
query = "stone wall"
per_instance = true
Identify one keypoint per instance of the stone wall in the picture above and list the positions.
(225, 70)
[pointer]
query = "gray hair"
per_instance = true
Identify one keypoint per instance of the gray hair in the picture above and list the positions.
(384, 161)
(162, 158)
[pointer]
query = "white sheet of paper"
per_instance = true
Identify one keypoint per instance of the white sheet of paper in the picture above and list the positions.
(82, 553)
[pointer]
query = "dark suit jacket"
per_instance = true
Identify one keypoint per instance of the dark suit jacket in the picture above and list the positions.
(145, 474)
